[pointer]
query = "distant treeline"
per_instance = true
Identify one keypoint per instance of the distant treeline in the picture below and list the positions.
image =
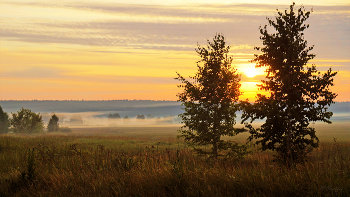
(157, 108)
(132, 107)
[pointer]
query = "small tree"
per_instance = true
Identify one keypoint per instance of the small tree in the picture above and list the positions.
(298, 94)
(126, 120)
(53, 124)
(149, 116)
(26, 121)
(76, 120)
(140, 116)
(4, 121)
(114, 116)
(209, 98)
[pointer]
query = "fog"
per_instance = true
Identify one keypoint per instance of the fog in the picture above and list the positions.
(93, 119)
(95, 113)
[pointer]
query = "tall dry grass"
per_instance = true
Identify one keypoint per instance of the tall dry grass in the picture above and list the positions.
(127, 166)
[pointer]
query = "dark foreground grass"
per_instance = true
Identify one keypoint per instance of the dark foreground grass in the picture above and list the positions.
(134, 166)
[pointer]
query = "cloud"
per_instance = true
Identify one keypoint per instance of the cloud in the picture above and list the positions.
(134, 35)
(52, 73)
(135, 26)
(170, 27)
(39, 72)
(120, 80)
(180, 11)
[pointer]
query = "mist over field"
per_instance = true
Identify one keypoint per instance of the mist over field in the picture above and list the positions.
(95, 113)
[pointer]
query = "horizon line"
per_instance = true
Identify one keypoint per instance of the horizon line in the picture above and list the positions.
(83, 100)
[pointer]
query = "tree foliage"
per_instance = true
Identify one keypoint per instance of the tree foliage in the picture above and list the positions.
(26, 121)
(140, 116)
(298, 93)
(4, 121)
(114, 116)
(53, 124)
(209, 99)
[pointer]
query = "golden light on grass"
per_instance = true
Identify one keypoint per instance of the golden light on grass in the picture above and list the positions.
(148, 161)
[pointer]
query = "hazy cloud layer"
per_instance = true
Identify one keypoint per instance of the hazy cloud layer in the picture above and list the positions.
(171, 27)
(54, 74)
(104, 49)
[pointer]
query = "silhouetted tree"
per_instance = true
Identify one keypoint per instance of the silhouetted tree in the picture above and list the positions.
(149, 116)
(114, 116)
(26, 121)
(126, 120)
(298, 94)
(140, 116)
(4, 121)
(53, 123)
(209, 99)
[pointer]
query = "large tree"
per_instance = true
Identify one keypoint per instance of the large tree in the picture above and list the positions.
(298, 93)
(4, 121)
(209, 99)
(26, 121)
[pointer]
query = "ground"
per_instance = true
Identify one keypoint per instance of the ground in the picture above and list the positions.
(151, 161)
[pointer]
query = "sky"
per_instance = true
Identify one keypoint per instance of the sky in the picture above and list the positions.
(117, 49)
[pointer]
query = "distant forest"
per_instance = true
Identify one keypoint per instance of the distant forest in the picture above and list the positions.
(133, 107)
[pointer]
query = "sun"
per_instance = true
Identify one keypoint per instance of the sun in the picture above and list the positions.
(250, 72)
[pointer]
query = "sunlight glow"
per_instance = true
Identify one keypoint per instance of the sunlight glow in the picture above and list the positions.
(250, 90)
(251, 72)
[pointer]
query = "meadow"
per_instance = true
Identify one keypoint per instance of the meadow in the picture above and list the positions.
(151, 161)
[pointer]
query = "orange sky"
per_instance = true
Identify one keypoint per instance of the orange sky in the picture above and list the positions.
(109, 50)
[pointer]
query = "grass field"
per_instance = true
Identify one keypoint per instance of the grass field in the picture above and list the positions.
(151, 161)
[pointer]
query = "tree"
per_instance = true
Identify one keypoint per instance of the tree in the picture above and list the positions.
(209, 99)
(114, 116)
(126, 120)
(149, 116)
(53, 123)
(26, 121)
(76, 120)
(140, 116)
(4, 121)
(298, 93)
